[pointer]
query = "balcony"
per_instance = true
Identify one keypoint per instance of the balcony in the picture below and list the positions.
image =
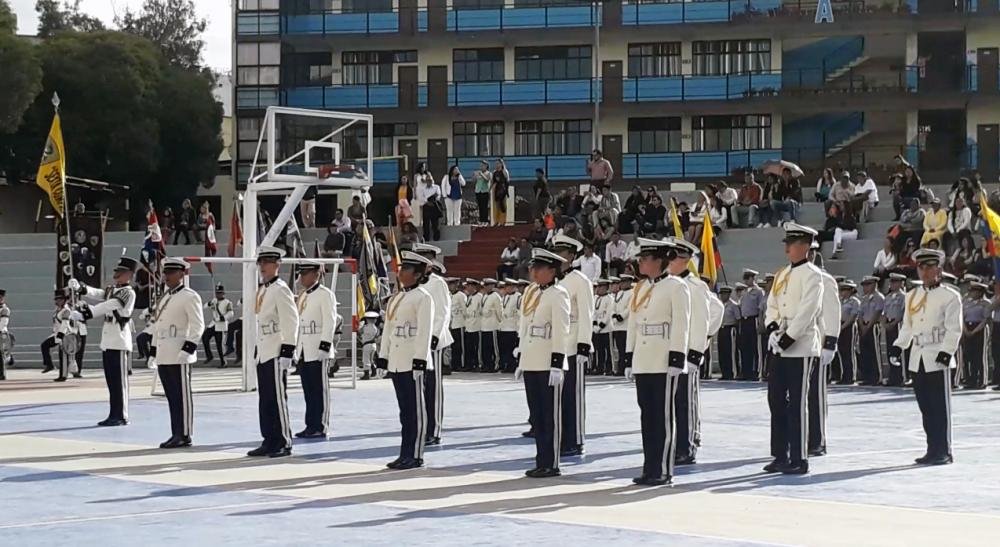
(972, 77)
(513, 17)
(692, 88)
(331, 22)
(672, 13)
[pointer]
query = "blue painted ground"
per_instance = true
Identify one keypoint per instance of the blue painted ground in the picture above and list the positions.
(874, 436)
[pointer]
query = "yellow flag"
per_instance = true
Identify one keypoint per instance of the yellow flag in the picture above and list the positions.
(993, 224)
(708, 257)
(52, 171)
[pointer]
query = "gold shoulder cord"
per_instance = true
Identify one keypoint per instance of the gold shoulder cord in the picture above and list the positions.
(260, 297)
(641, 301)
(919, 306)
(532, 297)
(781, 281)
(391, 309)
(301, 304)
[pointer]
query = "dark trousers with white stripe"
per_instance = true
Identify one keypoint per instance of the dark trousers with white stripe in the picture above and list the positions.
(46, 348)
(897, 375)
(933, 391)
(787, 394)
(995, 350)
(409, 388)
(619, 337)
(434, 395)
(456, 349)
(602, 352)
(316, 390)
(975, 351)
(843, 363)
(471, 350)
(748, 348)
(686, 410)
(488, 350)
(272, 405)
(817, 406)
(176, 380)
(206, 340)
(870, 355)
(655, 394)
(728, 356)
(763, 355)
(116, 376)
(705, 370)
(574, 404)
(506, 342)
(545, 405)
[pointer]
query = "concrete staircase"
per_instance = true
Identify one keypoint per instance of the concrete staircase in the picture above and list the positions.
(851, 139)
(838, 72)
(480, 255)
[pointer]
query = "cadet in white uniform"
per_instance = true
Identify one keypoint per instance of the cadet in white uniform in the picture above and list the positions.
(67, 335)
(405, 352)
(222, 313)
(509, 313)
(458, 300)
(619, 322)
(932, 329)
(829, 328)
(177, 326)
(116, 336)
(715, 312)
(794, 341)
(581, 326)
(603, 310)
(441, 338)
(473, 307)
(5, 344)
(368, 336)
(489, 313)
(317, 309)
(544, 331)
(656, 355)
(276, 337)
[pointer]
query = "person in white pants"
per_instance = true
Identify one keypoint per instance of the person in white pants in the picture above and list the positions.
(451, 189)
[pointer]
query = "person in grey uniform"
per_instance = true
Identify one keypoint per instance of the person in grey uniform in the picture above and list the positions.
(976, 336)
(750, 305)
(869, 333)
(762, 349)
(892, 314)
(850, 310)
(995, 340)
(728, 334)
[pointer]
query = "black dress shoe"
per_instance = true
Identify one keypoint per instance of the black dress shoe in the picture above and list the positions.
(571, 451)
(686, 460)
(432, 441)
(48, 369)
(280, 452)
(77, 375)
(410, 463)
(943, 459)
(176, 441)
(223, 364)
(529, 434)
(996, 388)
(775, 466)
(922, 460)
(652, 481)
(977, 388)
(261, 450)
(112, 422)
(800, 468)
(817, 452)
(394, 464)
(543, 472)
(60, 379)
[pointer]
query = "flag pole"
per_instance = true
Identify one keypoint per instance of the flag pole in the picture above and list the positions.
(62, 172)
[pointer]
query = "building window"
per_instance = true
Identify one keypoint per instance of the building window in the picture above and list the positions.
(257, 24)
(476, 139)
(551, 137)
(721, 57)
(651, 135)
(258, 63)
(373, 67)
(259, 5)
(247, 133)
(383, 139)
(746, 132)
(650, 60)
(307, 69)
(552, 63)
(477, 65)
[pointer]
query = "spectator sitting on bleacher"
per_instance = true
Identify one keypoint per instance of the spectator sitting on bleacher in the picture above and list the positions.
(885, 260)
(959, 224)
(335, 243)
(843, 191)
(845, 227)
(509, 259)
(911, 223)
(570, 202)
(765, 213)
(965, 189)
(787, 199)
(630, 213)
(824, 185)
(616, 255)
(905, 263)
(590, 264)
(865, 194)
(610, 206)
(715, 212)
(935, 223)
(409, 234)
(652, 217)
(593, 196)
(727, 197)
(538, 234)
(749, 198)
(965, 256)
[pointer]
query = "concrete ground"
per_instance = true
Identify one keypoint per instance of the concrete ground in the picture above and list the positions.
(65, 482)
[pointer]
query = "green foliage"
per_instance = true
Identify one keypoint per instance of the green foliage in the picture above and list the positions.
(55, 17)
(22, 79)
(173, 25)
(8, 21)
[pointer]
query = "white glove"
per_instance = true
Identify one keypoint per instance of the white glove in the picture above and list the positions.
(772, 343)
(381, 373)
(73, 284)
(151, 363)
(582, 360)
(895, 361)
(827, 356)
(323, 355)
(285, 362)
(75, 315)
(555, 376)
(516, 353)
(674, 371)
(628, 373)
(518, 373)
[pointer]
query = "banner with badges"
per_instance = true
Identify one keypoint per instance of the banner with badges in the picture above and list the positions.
(81, 257)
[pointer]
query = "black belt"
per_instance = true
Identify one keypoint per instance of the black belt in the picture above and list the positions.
(750, 317)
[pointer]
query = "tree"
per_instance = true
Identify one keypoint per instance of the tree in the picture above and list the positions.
(22, 75)
(8, 21)
(54, 17)
(173, 25)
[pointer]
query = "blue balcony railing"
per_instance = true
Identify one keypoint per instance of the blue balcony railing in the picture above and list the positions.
(685, 88)
(511, 17)
(515, 92)
(341, 23)
(666, 13)
(336, 97)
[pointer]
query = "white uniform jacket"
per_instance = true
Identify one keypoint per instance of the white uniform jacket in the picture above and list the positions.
(222, 313)
(700, 320)
(581, 308)
(277, 321)
(829, 317)
(544, 328)
(317, 320)
(473, 309)
(4, 318)
(406, 336)
(437, 287)
(604, 308)
(793, 309)
(658, 325)
(716, 309)
(117, 307)
(492, 313)
(510, 312)
(932, 322)
(458, 301)
(622, 299)
(177, 327)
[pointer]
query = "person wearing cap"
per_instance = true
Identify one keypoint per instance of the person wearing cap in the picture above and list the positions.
(177, 326)
(870, 333)
(581, 326)
(489, 315)
(473, 324)
(656, 355)
(621, 297)
(221, 312)
(847, 341)
(459, 299)
(62, 325)
(317, 309)
(750, 304)
(976, 336)
(932, 328)
(116, 335)
(728, 333)
(603, 309)
(935, 223)
(510, 303)
(544, 341)
(792, 319)
(276, 339)
(368, 337)
(441, 338)
(405, 352)
(892, 315)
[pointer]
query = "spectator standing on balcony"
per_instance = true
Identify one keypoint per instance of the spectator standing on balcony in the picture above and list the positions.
(599, 169)
(542, 194)
(615, 255)
(959, 224)
(499, 190)
(935, 223)
(728, 197)
(420, 180)
(307, 207)
(824, 185)
(451, 188)
(404, 199)
(429, 198)
(885, 260)
(483, 180)
(749, 198)
(589, 264)
(185, 221)
(508, 260)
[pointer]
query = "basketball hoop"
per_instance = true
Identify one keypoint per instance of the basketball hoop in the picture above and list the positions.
(339, 170)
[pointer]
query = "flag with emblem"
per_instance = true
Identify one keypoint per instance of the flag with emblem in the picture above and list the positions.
(711, 260)
(991, 232)
(51, 175)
